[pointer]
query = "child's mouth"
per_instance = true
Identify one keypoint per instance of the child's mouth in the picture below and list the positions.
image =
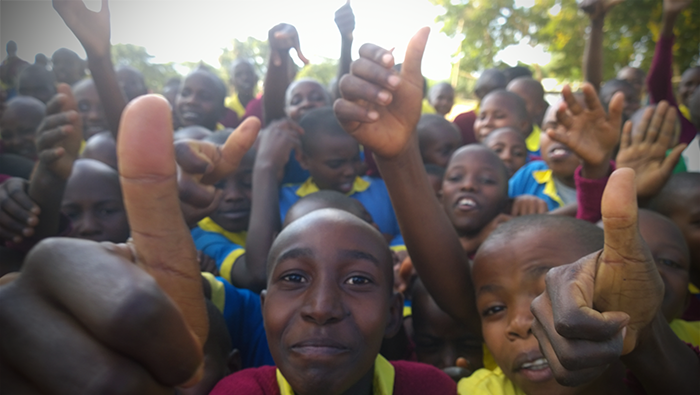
(559, 153)
(536, 371)
(466, 204)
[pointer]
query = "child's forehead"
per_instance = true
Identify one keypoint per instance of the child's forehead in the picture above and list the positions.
(305, 86)
(475, 156)
(509, 135)
(654, 226)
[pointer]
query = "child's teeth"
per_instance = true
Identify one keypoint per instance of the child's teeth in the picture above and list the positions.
(467, 202)
(537, 364)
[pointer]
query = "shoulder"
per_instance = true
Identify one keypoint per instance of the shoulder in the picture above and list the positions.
(485, 381)
(525, 172)
(253, 381)
(419, 378)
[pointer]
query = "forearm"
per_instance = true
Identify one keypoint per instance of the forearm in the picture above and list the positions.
(663, 363)
(46, 190)
(430, 238)
(668, 21)
(658, 81)
(264, 223)
(593, 53)
(276, 83)
(343, 64)
(111, 96)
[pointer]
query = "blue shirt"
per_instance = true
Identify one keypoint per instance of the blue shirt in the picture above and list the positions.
(535, 178)
(223, 246)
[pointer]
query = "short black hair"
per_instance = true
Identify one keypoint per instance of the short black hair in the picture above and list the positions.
(317, 122)
(585, 235)
(512, 73)
(435, 170)
(330, 199)
(490, 80)
(665, 201)
(220, 85)
(610, 88)
(516, 103)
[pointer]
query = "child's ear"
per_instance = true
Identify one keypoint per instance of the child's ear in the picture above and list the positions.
(396, 316)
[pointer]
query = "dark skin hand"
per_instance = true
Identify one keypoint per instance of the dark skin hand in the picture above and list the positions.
(593, 52)
(381, 108)
(94, 305)
(18, 213)
(644, 149)
(345, 20)
(607, 305)
(92, 29)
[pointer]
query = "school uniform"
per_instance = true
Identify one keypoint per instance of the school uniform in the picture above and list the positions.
(223, 246)
(390, 378)
(371, 192)
(535, 178)
(243, 316)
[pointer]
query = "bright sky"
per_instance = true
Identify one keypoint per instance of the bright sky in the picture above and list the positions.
(193, 30)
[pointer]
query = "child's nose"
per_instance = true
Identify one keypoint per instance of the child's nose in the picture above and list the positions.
(469, 183)
(88, 226)
(323, 304)
(520, 323)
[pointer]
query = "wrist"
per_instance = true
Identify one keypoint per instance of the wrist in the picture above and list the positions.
(596, 170)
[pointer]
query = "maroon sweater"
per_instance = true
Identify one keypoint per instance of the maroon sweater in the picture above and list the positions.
(410, 378)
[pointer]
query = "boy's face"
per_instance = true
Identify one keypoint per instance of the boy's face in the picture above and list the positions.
(90, 108)
(632, 100)
(689, 82)
(442, 99)
(93, 203)
(18, 133)
(510, 147)
(441, 143)
(333, 161)
(244, 78)
(304, 96)
(233, 213)
(671, 255)
(200, 101)
(508, 275)
(558, 156)
(67, 69)
(132, 83)
(440, 340)
(474, 190)
(328, 303)
(686, 215)
(495, 114)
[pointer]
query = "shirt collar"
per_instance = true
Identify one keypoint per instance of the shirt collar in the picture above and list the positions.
(382, 384)
(309, 187)
(208, 224)
(550, 189)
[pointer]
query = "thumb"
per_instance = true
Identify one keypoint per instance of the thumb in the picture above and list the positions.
(148, 176)
(619, 210)
(411, 68)
(672, 159)
(236, 145)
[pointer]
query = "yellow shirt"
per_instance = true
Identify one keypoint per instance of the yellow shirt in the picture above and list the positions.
(533, 140)
(383, 383)
(234, 104)
(687, 331)
(488, 382)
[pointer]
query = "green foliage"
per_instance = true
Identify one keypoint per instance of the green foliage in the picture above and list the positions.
(156, 75)
(256, 51)
(323, 72)
(631, 30)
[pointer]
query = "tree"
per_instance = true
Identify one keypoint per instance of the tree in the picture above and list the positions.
(324, 72)
(256, 51)
(631, 30)
(155, 74)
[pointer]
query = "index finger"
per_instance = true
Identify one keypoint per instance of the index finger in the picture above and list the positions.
(149, 184)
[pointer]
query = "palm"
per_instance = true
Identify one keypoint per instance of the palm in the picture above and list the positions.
(91, 28)
(647, 163)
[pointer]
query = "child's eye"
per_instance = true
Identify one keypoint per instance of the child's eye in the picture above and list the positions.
(488, 180)
(357, 280)
(334, 164)
(492, 310)
(669, 263)
(294, 278)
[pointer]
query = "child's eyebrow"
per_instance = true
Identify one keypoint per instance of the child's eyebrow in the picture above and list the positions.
(358, 255)
(295, 253)
(488, 288)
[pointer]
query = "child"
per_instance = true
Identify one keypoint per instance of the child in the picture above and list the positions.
(131, 82)
(532, 92)
(327, 199)
(302, 96)
(438, 139)
(332, 159)
(93, 202)
(635, 77)
(327, 307)
(19, 124)
(500, 109)
(222, 235)
(90, 108)
(244, 80)
(67, 66)
(36, 81)
(510, 267)
(509, 144)
(442, 97)
(201, 99)
(632, 99)
(436, 175)
(489, 81)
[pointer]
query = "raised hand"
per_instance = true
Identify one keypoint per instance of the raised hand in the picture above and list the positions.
(676, 6)
(598, 8)
(282, 38)
(276, 143)
(345, 20)
(594, 310)
(587, 129)
(643, 149)
(91, 28)
(18, 213)
(380, 108)
(60, 134)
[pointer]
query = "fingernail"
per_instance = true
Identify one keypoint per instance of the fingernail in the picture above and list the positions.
(394, 80)
(387, 58)
(373, 115)
(384, 96)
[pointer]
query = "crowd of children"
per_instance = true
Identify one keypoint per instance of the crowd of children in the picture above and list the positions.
(347, 239)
